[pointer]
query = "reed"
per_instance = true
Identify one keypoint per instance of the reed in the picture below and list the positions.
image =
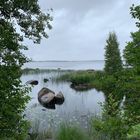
(68, 132)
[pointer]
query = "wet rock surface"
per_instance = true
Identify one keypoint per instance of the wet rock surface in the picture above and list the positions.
(59, 98)
(47, 98)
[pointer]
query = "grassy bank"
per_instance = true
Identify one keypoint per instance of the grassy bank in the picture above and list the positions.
(99, 129)
(101, 81)
(87, 79)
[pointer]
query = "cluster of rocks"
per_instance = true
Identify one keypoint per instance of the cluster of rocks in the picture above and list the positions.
(47, 97)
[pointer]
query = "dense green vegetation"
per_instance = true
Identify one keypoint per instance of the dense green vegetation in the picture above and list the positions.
(117, 120)
(27, 16)
(132, 50)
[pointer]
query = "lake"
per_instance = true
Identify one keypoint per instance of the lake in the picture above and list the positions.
(77, 107)
(66, 65)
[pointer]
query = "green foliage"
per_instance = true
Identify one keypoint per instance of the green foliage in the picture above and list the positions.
(82, 78)
(135, 133)
(124, 84)
(132, 50)
(32, 23)
(113, 61)
(132, 86)
(135, 12)
(132, 102)
(116, 122)
(27, 14)
(112, 125)
(13, 95)
(65, 77)
(67, 132)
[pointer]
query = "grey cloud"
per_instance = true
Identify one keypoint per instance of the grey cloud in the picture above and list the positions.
(80, 28)
(77, 5)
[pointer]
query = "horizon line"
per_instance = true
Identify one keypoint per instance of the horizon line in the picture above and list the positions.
(62, 60)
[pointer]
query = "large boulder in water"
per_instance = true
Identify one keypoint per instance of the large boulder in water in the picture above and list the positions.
(46, 96)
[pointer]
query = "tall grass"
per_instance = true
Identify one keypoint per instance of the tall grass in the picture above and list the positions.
(40, 136)
(27, 71)
(68, 132)
(87, 79)
(98, 129)
(36, 134)
(80, 77)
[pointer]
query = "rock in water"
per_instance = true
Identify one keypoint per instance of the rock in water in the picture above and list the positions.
(46, 80)
(46, 97)
(32, 82)
(59, 98)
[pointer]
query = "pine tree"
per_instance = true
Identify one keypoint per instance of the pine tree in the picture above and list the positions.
(113, 62)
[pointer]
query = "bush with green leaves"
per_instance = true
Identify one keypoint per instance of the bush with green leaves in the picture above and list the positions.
(132, 50)
(135, 132)
(32, 23)
(112, 125)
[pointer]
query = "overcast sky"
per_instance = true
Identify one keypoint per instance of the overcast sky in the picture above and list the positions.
(81, 27)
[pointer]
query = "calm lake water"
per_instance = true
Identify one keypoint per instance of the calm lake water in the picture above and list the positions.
(67, 65)
(77, 107)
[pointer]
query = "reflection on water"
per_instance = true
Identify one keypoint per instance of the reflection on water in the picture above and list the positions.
(77, 104)
(52, 104)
